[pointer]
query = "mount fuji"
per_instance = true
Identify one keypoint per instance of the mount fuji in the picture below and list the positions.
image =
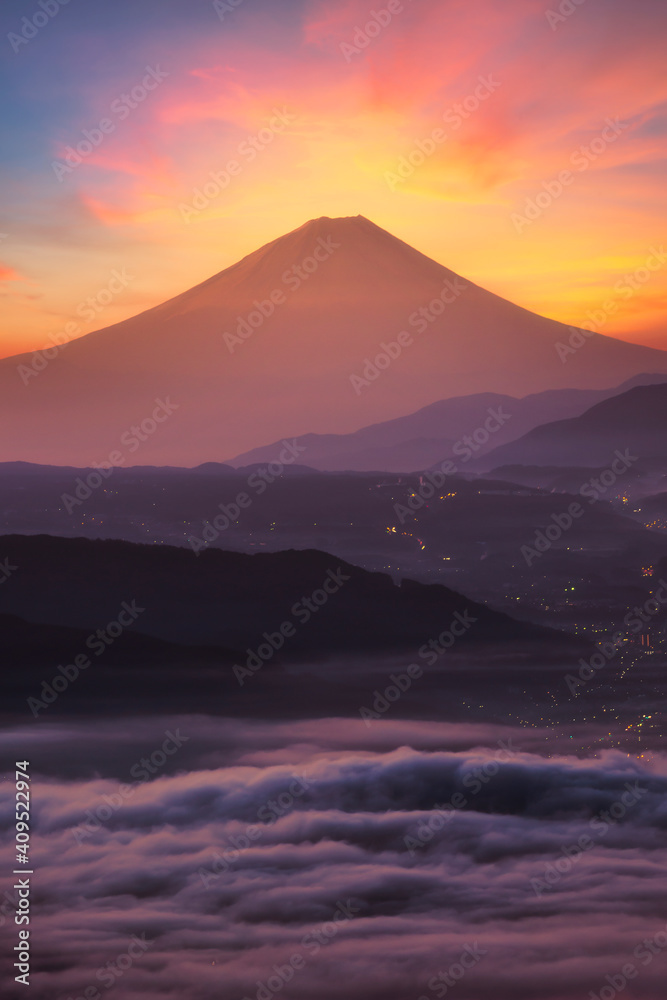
(328, 329)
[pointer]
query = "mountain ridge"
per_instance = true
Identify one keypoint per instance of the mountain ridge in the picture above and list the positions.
(634, 420)
(390, 446)
(232, 599)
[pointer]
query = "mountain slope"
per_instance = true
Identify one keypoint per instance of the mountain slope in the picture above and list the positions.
(26, 644)
(267, 349)
(635, 420)
(237, 601)
(421, 439)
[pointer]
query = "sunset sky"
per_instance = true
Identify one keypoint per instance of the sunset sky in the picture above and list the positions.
(345, 118)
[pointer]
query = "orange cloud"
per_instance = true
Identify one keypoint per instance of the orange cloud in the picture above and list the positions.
(9, 274)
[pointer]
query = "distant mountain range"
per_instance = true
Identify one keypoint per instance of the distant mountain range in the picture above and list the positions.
(285, 343)
(462, 429)
(635, 421)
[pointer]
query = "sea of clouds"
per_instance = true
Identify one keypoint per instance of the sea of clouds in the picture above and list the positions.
(255, 848)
